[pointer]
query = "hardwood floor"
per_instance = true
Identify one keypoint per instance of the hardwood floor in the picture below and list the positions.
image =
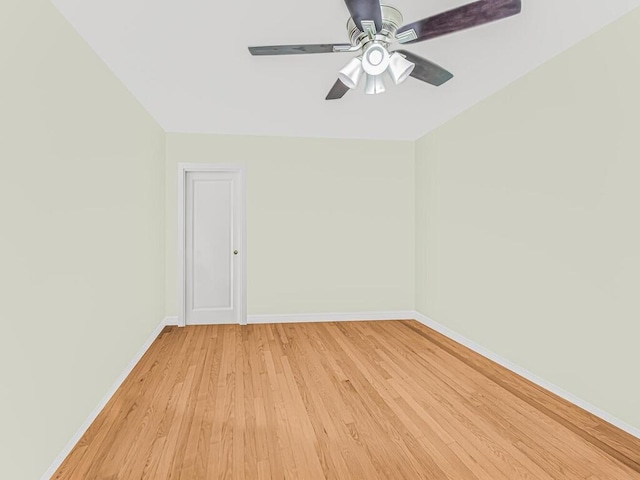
(361, 400)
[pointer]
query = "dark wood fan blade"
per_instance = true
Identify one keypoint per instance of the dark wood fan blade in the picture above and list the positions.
(296, 49)
(365, 10)
(337, 91)
(427, 71)
(461, 18)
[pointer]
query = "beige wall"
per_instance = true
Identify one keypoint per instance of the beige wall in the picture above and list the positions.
(527, 221)
(330, 222)
(81, 234)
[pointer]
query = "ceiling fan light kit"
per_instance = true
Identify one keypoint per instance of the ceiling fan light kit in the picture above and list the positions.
(373, 28)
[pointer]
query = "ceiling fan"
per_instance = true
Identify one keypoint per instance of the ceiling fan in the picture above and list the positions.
(373, 27)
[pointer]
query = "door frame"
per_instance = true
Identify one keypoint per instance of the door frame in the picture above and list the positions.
(183, 170)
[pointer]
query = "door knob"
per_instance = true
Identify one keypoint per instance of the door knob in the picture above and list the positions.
(235, 252)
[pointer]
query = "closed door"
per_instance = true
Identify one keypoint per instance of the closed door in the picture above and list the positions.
(212, 247)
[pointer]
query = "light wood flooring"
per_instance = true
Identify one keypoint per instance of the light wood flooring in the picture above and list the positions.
(360, 400)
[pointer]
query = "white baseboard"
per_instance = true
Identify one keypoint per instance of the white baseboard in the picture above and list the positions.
(456, 337)
(96, 411)
(330, 317)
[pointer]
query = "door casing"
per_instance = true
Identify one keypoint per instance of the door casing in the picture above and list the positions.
(183, 169)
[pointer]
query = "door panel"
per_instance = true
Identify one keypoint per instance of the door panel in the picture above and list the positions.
(211, 234)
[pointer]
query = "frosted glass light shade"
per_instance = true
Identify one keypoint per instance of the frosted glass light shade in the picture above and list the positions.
(399, 68)
(374, 85)
(351, 73)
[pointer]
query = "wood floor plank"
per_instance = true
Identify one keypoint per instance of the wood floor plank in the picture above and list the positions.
(612, 440)
(463, 400)
(110, 422)
(593, 458)
(361, 400)
(323, 412)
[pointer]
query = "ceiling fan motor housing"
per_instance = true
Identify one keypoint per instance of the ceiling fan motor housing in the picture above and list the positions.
(391, 21)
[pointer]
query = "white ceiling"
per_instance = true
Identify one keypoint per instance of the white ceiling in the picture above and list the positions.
(187, 62)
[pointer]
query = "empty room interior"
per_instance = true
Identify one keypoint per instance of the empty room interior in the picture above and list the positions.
(232, 250)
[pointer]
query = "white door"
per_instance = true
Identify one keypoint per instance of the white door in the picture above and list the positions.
(212, 247)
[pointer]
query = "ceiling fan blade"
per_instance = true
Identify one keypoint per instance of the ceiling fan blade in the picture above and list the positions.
(337, 91)
(427, 71)
(296, 49)
(461, 18)
(365, 10)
